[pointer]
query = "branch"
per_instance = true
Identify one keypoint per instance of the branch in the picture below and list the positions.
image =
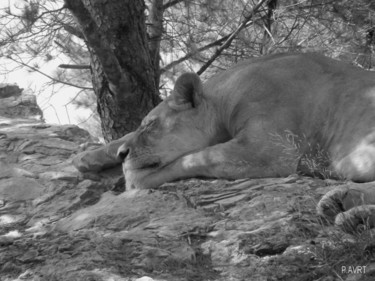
(50, 77)
(286, 37)
(75, 97)
(75, 66)
(186, 57)
(171, 3)
(37, 16)
(50, 12)
(232, 36)
(73, 30)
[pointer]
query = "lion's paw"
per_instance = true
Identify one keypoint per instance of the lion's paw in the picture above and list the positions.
(357, 219)
(351, 207)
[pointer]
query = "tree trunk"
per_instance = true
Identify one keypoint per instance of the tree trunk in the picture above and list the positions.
(123, 73)
(155, 33)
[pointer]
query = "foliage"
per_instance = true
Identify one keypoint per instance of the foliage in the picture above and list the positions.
(302, 26)
(40, 31)
(310, 158)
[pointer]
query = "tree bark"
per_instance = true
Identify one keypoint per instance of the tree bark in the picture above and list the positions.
(123, 73)
(271, 7)
(155, 33)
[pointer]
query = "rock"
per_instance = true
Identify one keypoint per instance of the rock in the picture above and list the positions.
(145, 278)
(7, 90)
(5, 240)
(15, 105)
(20, 189)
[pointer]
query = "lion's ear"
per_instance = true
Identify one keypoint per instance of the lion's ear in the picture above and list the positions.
(187, 91)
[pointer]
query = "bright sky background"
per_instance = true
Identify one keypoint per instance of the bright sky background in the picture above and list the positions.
(54, 100)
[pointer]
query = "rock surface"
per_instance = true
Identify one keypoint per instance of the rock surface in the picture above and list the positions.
(59, 224)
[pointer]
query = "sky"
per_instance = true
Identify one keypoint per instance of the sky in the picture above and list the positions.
(53, 100)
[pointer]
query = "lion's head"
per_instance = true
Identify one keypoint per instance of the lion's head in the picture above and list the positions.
(177, 126)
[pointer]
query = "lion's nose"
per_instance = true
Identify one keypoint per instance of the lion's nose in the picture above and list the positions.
(122, 152)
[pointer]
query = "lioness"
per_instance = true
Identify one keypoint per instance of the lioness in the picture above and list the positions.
(233, 126)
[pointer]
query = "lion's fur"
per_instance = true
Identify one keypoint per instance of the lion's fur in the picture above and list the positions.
(225, 127)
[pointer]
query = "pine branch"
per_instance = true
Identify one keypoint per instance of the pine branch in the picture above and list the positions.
(233, 35)
(188, 56)
(75, 66)
(48, 76)
(171, 3)
(73, 30)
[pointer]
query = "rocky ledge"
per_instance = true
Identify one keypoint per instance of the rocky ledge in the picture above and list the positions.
(59, 224)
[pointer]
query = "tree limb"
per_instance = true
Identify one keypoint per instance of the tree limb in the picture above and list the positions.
(73, 30)
(75, 66)
(48, 76)
(232, 36)
(186, 57)
(171, 3)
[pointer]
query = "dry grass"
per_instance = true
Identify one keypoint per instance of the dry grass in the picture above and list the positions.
(331, 248)
(312, 159)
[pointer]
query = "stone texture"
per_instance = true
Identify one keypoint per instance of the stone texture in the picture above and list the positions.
(15, 104)
(59, 224)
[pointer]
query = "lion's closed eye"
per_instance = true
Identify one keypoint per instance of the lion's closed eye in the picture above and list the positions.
(149, 124)
(148, 121)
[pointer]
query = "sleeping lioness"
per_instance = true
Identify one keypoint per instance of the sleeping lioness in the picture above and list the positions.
(256, 119)
(233, 126)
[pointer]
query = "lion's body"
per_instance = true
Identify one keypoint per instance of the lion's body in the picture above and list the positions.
(328, 104)
(257, 119)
